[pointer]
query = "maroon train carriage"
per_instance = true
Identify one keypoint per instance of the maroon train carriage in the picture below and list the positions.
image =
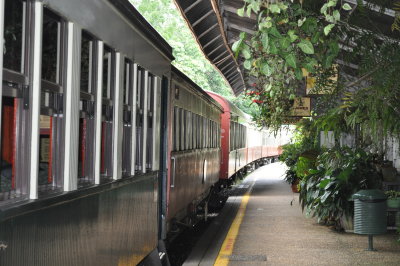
(241, 143)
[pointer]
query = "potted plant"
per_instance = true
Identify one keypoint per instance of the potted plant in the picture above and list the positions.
(393, 200)
(293, 180)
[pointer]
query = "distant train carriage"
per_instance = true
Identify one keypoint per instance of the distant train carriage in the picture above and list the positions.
(241, 143)
(195, 149)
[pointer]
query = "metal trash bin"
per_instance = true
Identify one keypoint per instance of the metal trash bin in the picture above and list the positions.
(370, 213)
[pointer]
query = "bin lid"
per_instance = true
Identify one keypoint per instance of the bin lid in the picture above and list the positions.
(369, 194)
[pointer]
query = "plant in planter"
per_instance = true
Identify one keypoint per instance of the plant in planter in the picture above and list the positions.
(393, 200)
(340, 172)
(298, 155)
(292, 179)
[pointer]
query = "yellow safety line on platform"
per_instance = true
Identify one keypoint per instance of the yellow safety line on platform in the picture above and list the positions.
(229, 242)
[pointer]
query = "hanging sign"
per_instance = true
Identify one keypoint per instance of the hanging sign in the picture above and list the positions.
(302, 107)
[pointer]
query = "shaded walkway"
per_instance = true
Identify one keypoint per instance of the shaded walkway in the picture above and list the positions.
(273, 232)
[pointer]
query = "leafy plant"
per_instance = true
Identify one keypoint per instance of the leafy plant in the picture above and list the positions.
(289, 40)
(291, 177)
(300, 155)
(340, 172)
(392, 194)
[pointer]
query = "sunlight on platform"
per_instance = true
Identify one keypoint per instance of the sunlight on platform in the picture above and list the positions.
(273, 171)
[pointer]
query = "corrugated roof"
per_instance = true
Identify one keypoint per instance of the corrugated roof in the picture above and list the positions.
(216, 25)
(205, 21)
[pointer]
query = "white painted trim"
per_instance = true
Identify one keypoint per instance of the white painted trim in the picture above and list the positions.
(155, 164)
(35, 92)
(117, 123)
(133, 119)
(70, 109)
(99, 99)
(145, 120)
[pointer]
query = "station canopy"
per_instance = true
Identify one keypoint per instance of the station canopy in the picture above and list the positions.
(216, 25)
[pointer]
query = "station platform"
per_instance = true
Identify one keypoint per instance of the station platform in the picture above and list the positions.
(259, 226)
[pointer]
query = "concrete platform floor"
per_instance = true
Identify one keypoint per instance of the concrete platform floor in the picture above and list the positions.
(274, 232)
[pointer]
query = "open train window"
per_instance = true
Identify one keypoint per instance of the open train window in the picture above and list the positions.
(176, 130)
(206, 134)
(51, 111)
(212, 134)
(182, 134)
(107, 113)
(194, 130)
(188, 130)
(232, 136)
(140, 102)
(14, 103)
(13, 35)
(127, 118)
(86, 112)
(150, 116)
(201, 133)
(8, 149)
(15, 80)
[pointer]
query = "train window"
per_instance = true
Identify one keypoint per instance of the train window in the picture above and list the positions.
(14, 182)
(52, 33)
(232, 136)
(176, 129)
(183, 130)
(8, 149)
(107, 113)
(205, 122)
(87, 48)
(150, 117)
(213, 134)
(188, 131)
(13, 35)
(204, 132)
(218, 135)
(210, 145)
(86, 112)
(51, 118)
(127, 118)
(193, 128)
(199, 132)
(139, 118)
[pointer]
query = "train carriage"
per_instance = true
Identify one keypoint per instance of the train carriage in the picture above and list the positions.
(104, 145)
(81, 98)
(195, 149)
(242, 144)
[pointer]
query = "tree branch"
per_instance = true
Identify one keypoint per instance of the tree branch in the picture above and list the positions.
(367, 75)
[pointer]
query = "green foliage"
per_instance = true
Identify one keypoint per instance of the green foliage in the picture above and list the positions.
(165, 18)
(289, 38)
(392, 194)
(340, 172)
(396, 23)
(300, 155)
